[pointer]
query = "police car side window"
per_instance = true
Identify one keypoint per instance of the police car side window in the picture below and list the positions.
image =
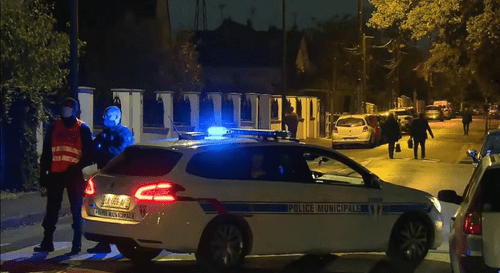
(221, 163)
(324, 169)
(283, 164)
(490, 190)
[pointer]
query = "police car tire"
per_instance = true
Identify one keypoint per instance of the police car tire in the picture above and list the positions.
(204, 255)
(394, 252)
(138, 254)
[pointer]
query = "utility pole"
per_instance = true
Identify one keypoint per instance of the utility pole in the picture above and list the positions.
(334, 85)
(362, 48)
(283, 95)
(73, 58)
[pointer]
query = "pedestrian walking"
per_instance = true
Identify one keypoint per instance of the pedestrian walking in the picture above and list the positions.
(392, 132)
(418, 133)
(466, 120)
(291, 121)
(67, 149)
(109, 143)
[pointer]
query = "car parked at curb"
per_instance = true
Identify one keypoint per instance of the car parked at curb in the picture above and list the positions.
(228, 194)
(434, 113)
(491, 145)
(352, 130)
(475, 230)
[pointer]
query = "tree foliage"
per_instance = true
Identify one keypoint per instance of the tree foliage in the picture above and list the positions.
(181, 66)
(467, 42)
(31, 59)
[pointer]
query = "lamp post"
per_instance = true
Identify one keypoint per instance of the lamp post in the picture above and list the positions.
(283, 95)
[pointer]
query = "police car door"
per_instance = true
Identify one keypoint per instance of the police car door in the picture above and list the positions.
(282, 198)
(347, 202)
(490, 195)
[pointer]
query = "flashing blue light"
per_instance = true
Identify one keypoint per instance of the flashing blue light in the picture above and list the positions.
(217, 131)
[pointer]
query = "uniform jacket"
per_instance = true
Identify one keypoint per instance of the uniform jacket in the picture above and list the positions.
(118, 137)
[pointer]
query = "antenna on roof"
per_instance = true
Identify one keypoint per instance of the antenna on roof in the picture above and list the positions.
(175, 127)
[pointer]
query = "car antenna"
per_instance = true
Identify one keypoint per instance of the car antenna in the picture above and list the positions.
(175, 127)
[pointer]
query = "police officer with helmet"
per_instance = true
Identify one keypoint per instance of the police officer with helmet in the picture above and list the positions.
(109, 143)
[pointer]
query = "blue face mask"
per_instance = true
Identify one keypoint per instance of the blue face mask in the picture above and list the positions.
(66, 112)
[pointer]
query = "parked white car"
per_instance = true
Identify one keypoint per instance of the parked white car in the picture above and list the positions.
(405, 118)
(353, 129)
(475, 228)
(225, 197)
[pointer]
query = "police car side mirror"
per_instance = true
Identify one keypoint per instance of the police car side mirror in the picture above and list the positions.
(450, 196)
(375, 182)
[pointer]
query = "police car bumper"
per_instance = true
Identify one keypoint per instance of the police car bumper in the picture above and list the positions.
(154, 230)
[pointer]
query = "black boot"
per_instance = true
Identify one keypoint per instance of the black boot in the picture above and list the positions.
(45, 246)
(101, 247)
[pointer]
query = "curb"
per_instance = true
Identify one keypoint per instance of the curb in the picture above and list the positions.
(29, 219)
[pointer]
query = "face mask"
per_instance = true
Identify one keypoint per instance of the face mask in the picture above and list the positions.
(111, 120)
(66, 112)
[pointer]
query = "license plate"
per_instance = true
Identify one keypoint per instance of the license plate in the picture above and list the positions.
(116, 201)
(114, 214)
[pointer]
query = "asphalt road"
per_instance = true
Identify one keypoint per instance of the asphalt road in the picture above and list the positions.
(446, 167)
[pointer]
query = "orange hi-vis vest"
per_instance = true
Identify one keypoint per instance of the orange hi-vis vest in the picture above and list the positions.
(66, 145)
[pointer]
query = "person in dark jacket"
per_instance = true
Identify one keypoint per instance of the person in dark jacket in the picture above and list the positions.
(292, 121)
(466, 120)
(67, 149)
(392, 133)
(109, 143)
(418, 133)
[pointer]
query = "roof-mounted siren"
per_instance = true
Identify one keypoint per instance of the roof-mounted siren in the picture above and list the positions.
(264, 134)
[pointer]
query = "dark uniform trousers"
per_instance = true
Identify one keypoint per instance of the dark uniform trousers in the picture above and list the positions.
(75, 185)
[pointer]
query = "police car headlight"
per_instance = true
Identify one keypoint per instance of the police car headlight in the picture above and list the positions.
(436, 203)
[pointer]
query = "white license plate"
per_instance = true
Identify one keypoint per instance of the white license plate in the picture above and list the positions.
(116, 201)
(114, 214)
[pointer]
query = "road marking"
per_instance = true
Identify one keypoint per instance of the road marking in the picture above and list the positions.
(27, 253)
(6, 244)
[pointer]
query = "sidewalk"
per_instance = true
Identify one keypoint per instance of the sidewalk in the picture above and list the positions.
(26, 209)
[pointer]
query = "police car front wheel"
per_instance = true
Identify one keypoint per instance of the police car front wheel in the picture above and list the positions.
(410, 241)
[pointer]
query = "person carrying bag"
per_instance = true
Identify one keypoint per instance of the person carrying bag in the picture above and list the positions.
(410, 143)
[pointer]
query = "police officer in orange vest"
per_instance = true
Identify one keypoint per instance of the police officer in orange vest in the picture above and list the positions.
(67, 149)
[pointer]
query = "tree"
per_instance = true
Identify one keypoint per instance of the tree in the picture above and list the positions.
(31, 59)
(181, 70)
(467, 42)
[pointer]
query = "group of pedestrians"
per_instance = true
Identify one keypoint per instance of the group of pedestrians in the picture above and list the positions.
(418, 134)
(68, 147)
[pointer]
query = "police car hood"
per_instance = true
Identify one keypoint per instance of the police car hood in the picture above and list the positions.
(397, 193)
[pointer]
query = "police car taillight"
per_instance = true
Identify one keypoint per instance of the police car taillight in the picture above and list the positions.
(335, 130)
(90, 190)
(365, 129)
(162, 192)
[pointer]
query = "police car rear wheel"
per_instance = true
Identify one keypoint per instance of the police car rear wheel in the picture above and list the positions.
(137, 253)
(410, 241)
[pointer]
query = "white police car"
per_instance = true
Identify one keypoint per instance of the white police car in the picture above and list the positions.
(250, 192)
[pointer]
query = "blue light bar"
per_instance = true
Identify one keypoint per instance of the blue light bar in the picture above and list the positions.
(216, 131)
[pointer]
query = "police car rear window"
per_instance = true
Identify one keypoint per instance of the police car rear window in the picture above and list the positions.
(143, 161)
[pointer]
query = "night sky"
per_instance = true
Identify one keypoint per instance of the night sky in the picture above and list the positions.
(267, 12)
